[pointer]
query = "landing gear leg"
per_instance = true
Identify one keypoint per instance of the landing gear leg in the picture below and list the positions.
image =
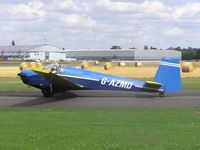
(161, 94)
(47, 92)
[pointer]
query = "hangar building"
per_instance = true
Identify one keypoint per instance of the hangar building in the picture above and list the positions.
(49, 52)
(122, 54)
(29, 52)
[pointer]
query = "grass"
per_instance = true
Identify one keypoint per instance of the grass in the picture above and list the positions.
(15, 84)
(91, 129)
(117, 129)
(191, 83)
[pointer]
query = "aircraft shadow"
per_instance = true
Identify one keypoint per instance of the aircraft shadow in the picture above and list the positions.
(71, 96)
(46, 100)
(106, 94)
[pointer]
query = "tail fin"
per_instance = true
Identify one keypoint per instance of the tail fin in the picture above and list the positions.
(168, 74)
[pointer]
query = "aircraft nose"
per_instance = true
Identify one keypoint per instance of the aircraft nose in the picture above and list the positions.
(27, 73)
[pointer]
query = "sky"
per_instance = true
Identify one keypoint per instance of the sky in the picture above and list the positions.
(99, 24)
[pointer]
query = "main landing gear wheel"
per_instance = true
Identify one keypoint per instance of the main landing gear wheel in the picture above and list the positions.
(47, 92)
(161, 94)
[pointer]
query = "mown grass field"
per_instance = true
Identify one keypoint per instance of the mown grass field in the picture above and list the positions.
(97, 129)
(115, 129)
(191, 83)
(15, 84)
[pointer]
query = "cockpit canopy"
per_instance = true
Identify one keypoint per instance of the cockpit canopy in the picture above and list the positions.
(53, 68)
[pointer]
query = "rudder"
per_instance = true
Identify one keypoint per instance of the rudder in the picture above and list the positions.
(168, 74)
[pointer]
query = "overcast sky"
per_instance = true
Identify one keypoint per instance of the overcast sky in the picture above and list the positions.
(100, 24)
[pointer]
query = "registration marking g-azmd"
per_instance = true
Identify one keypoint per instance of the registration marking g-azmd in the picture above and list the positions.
(117, 83)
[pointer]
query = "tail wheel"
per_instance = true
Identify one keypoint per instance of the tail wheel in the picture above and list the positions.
(161, 94)
(47, 92)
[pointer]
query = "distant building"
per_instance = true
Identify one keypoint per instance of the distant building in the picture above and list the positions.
(122, 54)
(49, 52)
(30, 52)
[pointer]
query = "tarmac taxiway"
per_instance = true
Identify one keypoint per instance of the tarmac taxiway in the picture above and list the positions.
(100, 99)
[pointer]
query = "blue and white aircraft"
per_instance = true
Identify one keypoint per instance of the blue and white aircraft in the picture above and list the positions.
(57, 78)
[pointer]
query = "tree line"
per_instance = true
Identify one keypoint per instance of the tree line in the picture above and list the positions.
(187, 53)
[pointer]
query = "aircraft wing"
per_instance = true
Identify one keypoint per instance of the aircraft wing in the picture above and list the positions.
(58, 83)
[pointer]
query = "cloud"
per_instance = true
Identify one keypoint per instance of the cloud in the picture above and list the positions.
(31, 10)
(146, 6)
(100, 23)
(67, 4)
(188, 10)
(70, 5)
(174, 31)
(152, 8)
(75, 19)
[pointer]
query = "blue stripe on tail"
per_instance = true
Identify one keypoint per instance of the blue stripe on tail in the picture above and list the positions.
(168, 74)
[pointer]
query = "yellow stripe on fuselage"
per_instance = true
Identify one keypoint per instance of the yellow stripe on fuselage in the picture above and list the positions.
(39, 70)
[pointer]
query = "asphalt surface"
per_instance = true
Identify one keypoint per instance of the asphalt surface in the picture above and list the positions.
(100, 99)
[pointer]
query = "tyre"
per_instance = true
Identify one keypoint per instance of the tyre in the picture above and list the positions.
(47, 93)
(161, 94)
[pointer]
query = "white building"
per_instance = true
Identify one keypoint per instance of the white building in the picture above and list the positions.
(31, 52)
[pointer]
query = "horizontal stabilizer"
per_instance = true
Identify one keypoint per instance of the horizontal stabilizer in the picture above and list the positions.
(152, 84)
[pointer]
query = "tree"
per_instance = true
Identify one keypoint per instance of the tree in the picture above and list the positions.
(198, 54)
(13, 43)
(171, 48)
(153, 47)
(146, 47)
(115, 47)
(187, 56)
(178, 48)
(132, 47)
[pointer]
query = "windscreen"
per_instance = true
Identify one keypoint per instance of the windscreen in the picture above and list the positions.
(53, 68)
